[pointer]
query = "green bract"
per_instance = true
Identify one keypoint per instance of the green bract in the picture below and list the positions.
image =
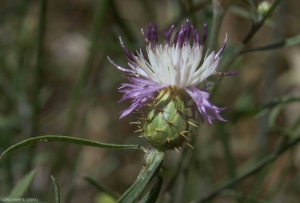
(166, 125)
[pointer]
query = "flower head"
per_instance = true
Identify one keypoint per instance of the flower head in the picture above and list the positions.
(179, 64)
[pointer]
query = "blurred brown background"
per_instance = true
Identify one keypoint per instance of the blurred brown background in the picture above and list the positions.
(68, 87)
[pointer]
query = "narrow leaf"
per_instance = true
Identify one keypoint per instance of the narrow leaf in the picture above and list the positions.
(23, 185)
(101, 187)
(280, 102)
(152, 161)
(56, 190)
(152, 196)
(72, 140)
(285, 43)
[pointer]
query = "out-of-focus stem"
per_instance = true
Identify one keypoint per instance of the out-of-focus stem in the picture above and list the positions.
(268, 91)
(38, 78)
(176, 185)
(218, 15)
(83, 75)
(225, 139)
(120, 21)
(258, 25)
(240, 47)
(270, 158)
(219, 10)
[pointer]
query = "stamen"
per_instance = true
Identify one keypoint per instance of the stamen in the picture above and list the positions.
(205, 31)
(175, 38)
(149, 36)
(145, 37)
(188, 31)
(154, 34)
(195, 36)
(168, 34)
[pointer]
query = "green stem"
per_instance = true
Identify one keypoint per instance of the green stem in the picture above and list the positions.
(38, 78)
(258, 25)
(78, 88)
(152, 163)
(240, 47)
(102, 187)
(270, 158)
(218, 15)
(225, 140)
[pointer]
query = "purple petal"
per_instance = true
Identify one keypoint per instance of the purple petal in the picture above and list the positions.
(207, 110)
(222, 48)
(129, 54)
(121, 68)
(136, 105)
(140, 91)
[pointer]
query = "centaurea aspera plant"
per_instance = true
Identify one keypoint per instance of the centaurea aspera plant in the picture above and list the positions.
(162, 87)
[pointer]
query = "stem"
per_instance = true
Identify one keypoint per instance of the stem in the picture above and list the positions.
(240, 48)
(83, 75)
(270, 158)
(258, 25)
(38, 78)
(101, 187)
(225, 140)
(218, 15)
(78, 88)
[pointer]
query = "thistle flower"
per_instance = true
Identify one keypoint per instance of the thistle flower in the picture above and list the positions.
(167, 81)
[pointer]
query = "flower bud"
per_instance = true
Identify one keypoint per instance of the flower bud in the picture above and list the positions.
(264, 7)
(166, 124)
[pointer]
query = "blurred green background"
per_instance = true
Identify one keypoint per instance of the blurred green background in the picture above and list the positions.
(55, 79)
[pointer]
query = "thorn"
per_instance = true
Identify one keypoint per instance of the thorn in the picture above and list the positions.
(136, 112)
(140, 130)
(137, 123)
(193, 124)
(194, 132)
(160, 110)
(169, 123)
(176, 149)
(181, 133)
(181, 112)
(190, 145)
